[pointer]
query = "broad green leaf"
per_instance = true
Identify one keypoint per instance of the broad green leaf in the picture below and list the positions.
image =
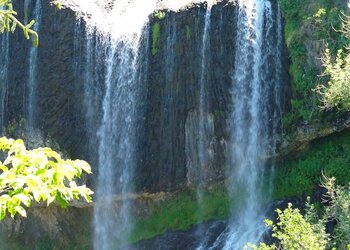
(83, 165)
(3, 168)
(2, 210)
(24, 199)
(21, 211)
(39, 175)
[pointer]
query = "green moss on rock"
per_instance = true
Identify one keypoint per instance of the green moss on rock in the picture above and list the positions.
(155, 37)
(308, 26)
(180, 211)
(302, 173)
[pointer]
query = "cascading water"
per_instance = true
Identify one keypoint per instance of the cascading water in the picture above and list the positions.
(203, 101)
(272, 78)
(255, 105)
(106, 31)
(113, 36)
(117, 138)
(31, 84)
(168, 102)
(202, 117)
(4, 58)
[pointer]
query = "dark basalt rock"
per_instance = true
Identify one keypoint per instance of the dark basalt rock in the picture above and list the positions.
(59, 90)
(167, 156)
(185, 240)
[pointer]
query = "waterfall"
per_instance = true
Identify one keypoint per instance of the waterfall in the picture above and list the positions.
(203, 157)
(114, 33)
(4, 58)
(116, 143)
(32, 64)
(78, 47)
(112, 72)
(168, 102)
(203, 101)
(255, 107)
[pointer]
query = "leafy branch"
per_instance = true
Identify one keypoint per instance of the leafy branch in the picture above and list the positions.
(9, 22)
(38, 175)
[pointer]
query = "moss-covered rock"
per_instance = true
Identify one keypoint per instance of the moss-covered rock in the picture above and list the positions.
(309, 26)
(301, 173)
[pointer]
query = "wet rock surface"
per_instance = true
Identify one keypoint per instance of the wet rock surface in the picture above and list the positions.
(168, 122)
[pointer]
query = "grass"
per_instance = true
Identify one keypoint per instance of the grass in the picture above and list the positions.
(181, 211)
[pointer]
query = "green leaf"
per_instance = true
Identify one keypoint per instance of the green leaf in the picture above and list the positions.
(29, 25)
(62, 200)
(83, 165)
(2, 211)
(24, 199)
(21, 211)
(39, 175)
(3, 168)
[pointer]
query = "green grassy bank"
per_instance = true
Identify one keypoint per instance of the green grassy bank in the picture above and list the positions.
(297, 175)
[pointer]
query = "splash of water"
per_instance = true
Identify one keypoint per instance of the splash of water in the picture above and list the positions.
(129, 14)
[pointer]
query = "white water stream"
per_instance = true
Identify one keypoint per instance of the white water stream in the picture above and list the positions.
(252, 115)
(4, 58)
(32, 67)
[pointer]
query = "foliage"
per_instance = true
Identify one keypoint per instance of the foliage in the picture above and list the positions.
(294, 232)
(336, 93)
(309, 25)
(160, 14)
(337, 199)
(39, 175)
(9, 22)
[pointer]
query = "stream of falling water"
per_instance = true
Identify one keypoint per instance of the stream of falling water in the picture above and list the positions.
(251, 118)
(202, 123)
(203, 100)
(252, 114)
(4, 58)
(31, 84)
(114, 32)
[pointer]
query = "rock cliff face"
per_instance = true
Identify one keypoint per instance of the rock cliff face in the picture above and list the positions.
(168, 128)
(58, 90)
(172, 107)
(167, 151)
